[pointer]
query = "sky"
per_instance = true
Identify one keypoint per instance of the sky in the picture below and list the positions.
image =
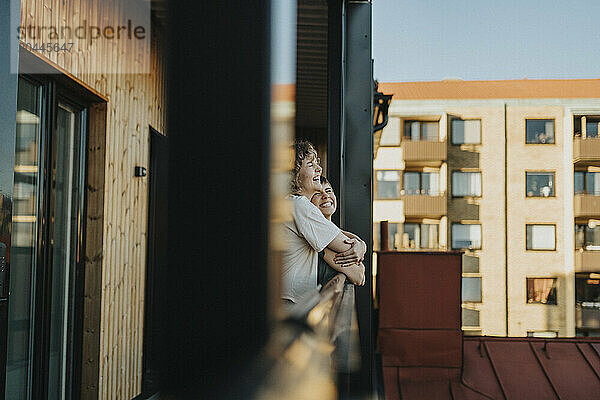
(428, 40)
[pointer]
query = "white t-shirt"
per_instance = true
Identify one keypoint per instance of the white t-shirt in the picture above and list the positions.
(305, 235)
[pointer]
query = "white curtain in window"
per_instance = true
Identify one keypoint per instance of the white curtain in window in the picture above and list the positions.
(549, 129)
(543, 237)
(415, 131)
(472, 131)
(431, 131)
(466, 184)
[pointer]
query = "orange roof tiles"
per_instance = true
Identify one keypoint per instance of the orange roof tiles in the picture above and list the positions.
(519, 89)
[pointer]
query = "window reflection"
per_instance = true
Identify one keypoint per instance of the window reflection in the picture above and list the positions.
(539, 184)
(539, 131)
(388, 184)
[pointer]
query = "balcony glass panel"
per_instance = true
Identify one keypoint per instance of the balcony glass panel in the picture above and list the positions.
(425, 183)
(430, 183)
(587, 237)
(591, 128)
(412, 185)
(592, 183)
(421, 131)
(430, 131)
(420, 236)
(393, 236)
(579, 182)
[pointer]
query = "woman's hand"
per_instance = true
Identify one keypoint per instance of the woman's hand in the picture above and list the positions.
(354, 255)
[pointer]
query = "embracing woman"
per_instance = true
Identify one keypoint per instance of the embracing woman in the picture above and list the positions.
(307, 232)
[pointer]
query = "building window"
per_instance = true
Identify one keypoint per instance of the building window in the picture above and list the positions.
(541, 237)
(420, 236)
(470, 264)
(587, 183)
(427, 183)
(466, 236)
(421, 131)
(466, 131)
(542, 334)
(539, 184)
(393, 237)
(540, 131)
(471, 289)
(388, 184)
(470, 318)
(587, 289)
(587, 237)
(466, 184)
(591, 126)
(541, 290)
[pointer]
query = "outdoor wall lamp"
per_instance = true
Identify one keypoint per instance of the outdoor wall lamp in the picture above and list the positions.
(381, 104)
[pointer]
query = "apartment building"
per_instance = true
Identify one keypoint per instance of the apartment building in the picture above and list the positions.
(509, 173)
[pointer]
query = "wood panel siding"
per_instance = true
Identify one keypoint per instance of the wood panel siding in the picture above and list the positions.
(117, 201)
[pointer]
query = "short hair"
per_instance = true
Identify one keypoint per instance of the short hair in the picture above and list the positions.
(303, 149)
(324, 180)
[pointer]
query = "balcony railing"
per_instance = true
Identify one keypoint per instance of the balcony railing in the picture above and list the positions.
(586, 205)
(422, 151)
(317, 341)
(587, 260)
(424, 205)
(586, 149)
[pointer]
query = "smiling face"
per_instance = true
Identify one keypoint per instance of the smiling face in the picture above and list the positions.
(326, 201)
(309, 175)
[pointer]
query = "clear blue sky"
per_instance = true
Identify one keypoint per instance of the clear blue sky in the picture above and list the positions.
(422, 40)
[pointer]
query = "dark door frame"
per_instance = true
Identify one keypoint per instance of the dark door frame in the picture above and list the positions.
(59, 87)
(156, 257)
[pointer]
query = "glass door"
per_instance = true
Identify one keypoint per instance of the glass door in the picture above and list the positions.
(64, 222)
(24, 243)
(43, 322)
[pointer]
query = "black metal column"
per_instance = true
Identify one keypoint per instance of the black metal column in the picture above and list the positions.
(357, 162)
(8, 114)
(215, 318)
(335, 65)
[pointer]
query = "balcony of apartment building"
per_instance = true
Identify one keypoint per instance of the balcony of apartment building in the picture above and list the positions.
(422, 144)
(587, 246)
(587, 303)
(414, 193)
(586, 142)
(587, 192)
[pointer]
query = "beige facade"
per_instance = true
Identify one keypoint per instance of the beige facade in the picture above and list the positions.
(514, 209)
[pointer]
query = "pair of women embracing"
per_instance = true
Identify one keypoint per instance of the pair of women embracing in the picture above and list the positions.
(310, 231)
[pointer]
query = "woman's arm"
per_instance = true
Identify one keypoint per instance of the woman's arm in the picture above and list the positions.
(354, 272)
(355, 254)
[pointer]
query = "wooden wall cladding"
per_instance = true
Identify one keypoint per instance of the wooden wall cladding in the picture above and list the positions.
(115, 271)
